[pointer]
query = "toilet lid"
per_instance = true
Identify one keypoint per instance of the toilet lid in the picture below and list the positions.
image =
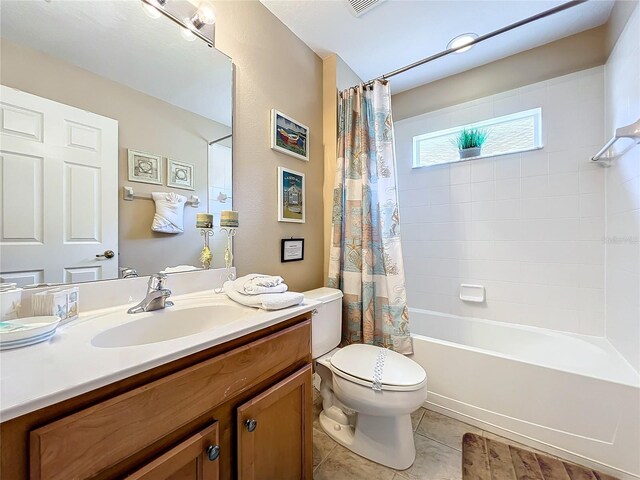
(393, 369)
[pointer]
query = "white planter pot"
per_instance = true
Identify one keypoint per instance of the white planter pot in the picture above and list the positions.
(470, 152)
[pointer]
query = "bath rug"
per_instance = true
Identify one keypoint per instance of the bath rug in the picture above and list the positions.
(486, 459)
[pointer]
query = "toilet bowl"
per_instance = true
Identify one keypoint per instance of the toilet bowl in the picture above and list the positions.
(368, 392)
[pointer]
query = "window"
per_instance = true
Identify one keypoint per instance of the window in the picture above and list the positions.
(517, 132)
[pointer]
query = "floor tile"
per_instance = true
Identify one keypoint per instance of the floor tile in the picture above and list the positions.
(342, 464)
(322, 446)
(416, 417)
(444, 429)
(434, 461)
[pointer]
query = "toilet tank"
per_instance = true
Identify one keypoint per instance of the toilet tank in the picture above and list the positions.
(326, 325)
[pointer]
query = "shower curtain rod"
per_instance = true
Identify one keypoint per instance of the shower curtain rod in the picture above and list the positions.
(482, 38)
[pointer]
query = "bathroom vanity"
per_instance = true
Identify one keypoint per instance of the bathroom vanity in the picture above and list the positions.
(240, 408)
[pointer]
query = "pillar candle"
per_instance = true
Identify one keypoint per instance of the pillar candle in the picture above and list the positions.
(204, 220)
(229, 219)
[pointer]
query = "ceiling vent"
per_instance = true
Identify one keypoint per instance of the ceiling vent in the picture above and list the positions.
(360, 7)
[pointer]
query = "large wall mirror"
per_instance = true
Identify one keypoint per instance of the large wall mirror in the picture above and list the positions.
(100, 100)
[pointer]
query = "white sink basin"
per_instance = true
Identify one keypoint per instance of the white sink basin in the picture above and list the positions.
(167, 324)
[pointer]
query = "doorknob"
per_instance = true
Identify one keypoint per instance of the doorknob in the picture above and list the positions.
(213, 452)
(251, 424)
(107, 254)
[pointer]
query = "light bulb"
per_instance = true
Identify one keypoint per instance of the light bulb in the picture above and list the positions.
(206, 13)
(186, 33)
(461, 41)
(150, 10)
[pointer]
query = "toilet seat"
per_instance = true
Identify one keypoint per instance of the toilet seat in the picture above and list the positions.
(357, 363)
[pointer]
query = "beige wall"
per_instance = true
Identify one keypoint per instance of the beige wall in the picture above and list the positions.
(144, 123)
(620, 14)
(567, 55)
(336, 76)
(274, 69)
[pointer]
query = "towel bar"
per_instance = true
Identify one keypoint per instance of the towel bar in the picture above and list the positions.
(630, 131)
(128, 195)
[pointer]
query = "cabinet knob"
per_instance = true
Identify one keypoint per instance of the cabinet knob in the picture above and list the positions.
(251, 424)
(213, 452)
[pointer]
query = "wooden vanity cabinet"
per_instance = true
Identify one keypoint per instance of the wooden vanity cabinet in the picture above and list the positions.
(194, 459)
(274, 431)
(238, 410)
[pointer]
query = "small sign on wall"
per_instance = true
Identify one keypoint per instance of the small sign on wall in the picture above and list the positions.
(292, 250)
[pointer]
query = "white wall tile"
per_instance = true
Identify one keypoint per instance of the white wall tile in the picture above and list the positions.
(622, 180)
(528, 226)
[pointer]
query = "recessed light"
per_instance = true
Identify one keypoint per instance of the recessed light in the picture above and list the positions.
(461, 41)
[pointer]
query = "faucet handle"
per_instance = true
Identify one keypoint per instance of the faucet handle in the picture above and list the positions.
(157, 281)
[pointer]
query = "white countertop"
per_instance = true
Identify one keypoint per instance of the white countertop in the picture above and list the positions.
(69, 364)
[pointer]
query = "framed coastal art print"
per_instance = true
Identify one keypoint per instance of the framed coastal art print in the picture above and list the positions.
(180, 175)
(144, 167)
(291, 196)
(289, 136)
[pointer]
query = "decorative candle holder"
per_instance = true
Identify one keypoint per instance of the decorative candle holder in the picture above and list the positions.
(206, 256)
(228, 253)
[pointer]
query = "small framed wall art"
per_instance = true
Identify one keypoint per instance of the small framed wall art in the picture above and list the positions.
(292, 250)
(289, 136)
(144, 167)
(291, 196)
(181, 175)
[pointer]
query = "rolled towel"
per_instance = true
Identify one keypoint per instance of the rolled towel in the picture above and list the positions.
(255, 284)
(260, 280)
(257, 290)
(269, 301)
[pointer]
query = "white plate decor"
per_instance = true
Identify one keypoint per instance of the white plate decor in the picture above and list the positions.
(27, 331)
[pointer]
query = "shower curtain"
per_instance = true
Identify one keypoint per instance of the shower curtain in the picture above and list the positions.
(366, 256)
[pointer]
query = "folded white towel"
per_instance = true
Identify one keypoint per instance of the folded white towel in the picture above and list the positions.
(254, 284)
(169, 212)
(268, 301)
(180, 268)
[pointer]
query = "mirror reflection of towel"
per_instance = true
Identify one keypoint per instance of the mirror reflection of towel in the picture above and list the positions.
(169, 212)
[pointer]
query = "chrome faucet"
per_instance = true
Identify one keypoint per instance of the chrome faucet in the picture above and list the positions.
(157, 295)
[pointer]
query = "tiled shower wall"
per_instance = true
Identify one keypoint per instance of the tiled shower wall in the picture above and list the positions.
(622, 94)
(529, 227)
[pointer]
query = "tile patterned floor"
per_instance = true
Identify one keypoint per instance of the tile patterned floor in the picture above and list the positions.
(438, 451)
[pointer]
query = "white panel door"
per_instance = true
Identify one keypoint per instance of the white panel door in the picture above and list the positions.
(58, 191)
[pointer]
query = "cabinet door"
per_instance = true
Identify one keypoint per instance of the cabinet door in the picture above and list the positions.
(194, 459)
(274, 431)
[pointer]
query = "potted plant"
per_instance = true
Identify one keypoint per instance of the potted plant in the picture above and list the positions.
(469, 142)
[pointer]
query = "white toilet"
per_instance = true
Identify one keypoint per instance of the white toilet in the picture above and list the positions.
(368, 392)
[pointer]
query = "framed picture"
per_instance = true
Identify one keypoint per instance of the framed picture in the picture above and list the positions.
(144, 167)
(289, 136)
(291, 196)
(181, 175)
(292, 250)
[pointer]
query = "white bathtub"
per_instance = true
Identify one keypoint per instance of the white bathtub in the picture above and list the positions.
(572, 395)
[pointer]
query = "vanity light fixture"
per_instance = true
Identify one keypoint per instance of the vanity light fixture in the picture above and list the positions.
(461, 41)
(205, 15)
(190, 27)
(152, 8)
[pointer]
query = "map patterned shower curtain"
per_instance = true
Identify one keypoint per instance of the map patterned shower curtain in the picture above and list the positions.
(366, 255)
